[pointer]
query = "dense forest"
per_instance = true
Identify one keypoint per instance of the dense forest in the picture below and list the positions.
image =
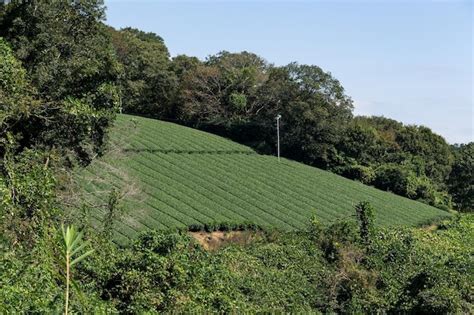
(64, 75)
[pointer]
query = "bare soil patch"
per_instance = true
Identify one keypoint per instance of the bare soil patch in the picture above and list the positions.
(431, 228)
(218, 239)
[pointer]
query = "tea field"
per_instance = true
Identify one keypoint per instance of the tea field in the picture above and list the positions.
(169, 176)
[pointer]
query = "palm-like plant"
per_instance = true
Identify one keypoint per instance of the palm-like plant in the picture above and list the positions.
(73, 245)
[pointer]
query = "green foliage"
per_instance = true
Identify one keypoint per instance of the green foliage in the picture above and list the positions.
(57, 98)
(238, 101)
(408, 160)
(62, 45)
(395, 178)
(314, 113)
(148, 84)
(66, 95)
(402, 180)
(426, 264)
(12, 75)
(362, 143)
(365, 217)
(113, 213)
(461, 179)
(147, 276)
(168, 272)
(239, 95)
(72, 247)
(31, 277)
(28, 283)
(364, 174)
(222, 92)
(27, 190)
(430, 147)
(15, 100)
(181, 64)
(323, 270)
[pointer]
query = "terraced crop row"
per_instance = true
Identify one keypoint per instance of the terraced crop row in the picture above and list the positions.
(173, 176)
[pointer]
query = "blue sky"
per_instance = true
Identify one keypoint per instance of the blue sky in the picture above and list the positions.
(407, 60)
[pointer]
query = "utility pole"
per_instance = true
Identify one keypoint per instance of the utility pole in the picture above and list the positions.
(278, 136)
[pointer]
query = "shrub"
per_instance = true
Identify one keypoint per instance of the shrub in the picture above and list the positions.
(364, 174)
(365, 216)
(397, 179)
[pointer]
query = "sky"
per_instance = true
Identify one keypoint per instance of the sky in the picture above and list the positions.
(407, 60)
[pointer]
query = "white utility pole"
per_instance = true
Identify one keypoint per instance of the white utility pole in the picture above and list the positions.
(278, 136)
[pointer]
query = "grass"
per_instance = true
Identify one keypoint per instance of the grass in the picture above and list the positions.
(170, 176)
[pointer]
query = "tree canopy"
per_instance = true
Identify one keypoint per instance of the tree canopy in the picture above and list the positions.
(148, 84)
(461, 178)
(72, 72)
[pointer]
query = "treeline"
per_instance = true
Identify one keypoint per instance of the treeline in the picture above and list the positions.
(238, 95)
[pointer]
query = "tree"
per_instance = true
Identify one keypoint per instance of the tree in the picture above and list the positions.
(71, 71)
(63, 46)
(461, 178)
(409, 160)
(366, 219)
(148, 84)
(202, 93)
(315, 113)
(242, 92)
(14, 89)
(431, 148)
(181, 64)
(224, 89)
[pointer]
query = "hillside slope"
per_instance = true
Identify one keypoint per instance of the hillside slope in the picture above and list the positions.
(173, 176)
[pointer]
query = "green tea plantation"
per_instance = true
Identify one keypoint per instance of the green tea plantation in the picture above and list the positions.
(168, 176)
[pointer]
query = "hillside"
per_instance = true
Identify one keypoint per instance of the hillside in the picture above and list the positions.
(173, 176)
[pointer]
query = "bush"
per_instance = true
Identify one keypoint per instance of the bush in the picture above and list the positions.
(323, 270)
(397, 179)
(402, 180)
(365, 216)
(27, 190)
(364, 174)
